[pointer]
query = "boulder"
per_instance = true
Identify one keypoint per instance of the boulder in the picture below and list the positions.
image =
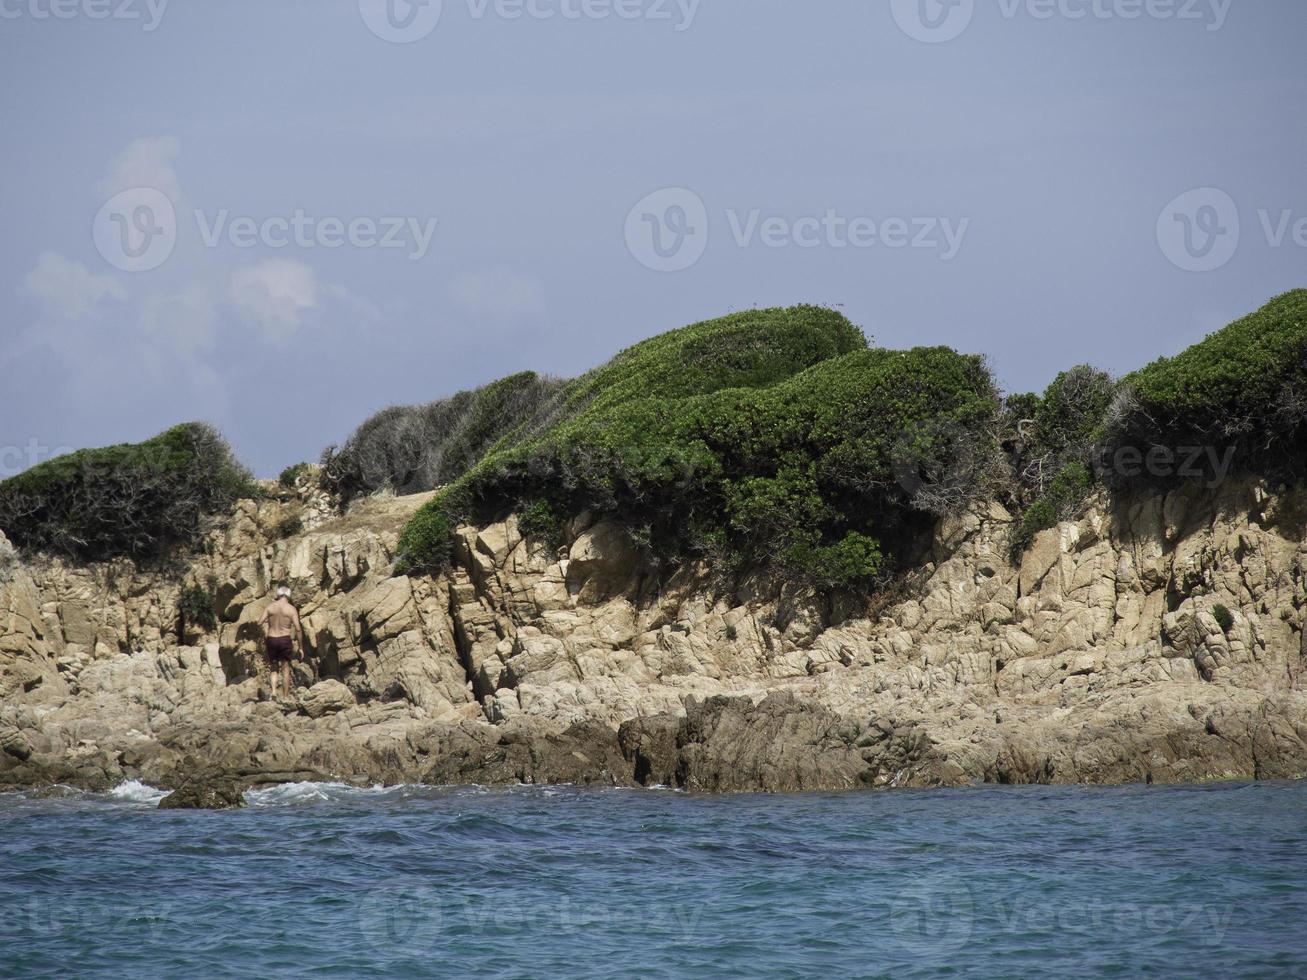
(602, 562)
(206, 790)
(326, 698)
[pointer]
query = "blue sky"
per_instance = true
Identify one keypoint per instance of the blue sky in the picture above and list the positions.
(1037, 180)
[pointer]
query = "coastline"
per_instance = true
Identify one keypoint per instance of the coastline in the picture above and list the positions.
(1085, 663)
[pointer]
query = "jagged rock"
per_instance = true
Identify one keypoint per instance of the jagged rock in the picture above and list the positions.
(729, 744)
(583, 754)
(602, 562)
(205, 793)
(1095, 659)
(14, 743)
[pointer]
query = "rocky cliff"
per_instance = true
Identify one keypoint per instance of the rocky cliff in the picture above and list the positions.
(1102, 657)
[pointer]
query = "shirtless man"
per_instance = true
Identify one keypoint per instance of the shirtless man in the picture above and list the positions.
(281, 622)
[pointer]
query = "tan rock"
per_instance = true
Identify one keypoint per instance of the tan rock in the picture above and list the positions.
(326, 698)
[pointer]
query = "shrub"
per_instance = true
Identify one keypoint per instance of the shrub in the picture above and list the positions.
(767, 438)
(291, 474)
(132, 500)
(854, 561)
(196, 606)
(426, 543)
(1224, 618)
(1020, 410)
(732, 633)
(413, 449)
(290, 526)
(1063, 426)
(1069, 417)
(1242, 388)
(1061, 501)
(539, 521)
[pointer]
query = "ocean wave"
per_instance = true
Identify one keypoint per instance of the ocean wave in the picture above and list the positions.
(293, 794)
(135, 791)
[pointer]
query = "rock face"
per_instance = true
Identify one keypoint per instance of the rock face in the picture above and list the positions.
(1097, 659)
(212, 790)
(327, 698)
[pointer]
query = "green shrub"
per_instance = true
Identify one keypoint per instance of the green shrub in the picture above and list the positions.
(413, 449)
(426, 543)
(1070, 416)
(732, 633)
(291, 474)
(134, 500)
(1242, 388)
(855, 561)
(766, 438)
(1021, 408)
(1061, 501)
(196, 607)
(540, 522)
(1065, 425)
(1224, 618)
(290, 526)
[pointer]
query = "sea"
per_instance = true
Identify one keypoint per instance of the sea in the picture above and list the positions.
(341, 881)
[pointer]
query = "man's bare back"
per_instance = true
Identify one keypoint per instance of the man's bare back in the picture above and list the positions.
(281, 618)
(281, 625)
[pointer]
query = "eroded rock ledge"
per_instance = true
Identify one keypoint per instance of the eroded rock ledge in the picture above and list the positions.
(1098, 659)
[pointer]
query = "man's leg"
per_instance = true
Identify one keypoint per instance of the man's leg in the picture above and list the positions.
(285, 674)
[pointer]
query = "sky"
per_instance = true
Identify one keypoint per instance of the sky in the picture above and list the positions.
(281, 216)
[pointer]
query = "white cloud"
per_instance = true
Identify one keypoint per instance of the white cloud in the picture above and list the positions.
(274, 295)
(500, 295)
(145, 163)
(186, 319)
(68, 289)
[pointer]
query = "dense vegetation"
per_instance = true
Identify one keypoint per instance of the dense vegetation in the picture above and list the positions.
(132, 500)
(412, 449)
(766, 439)
(196, 607)
(1055, 448)
(1242, 388)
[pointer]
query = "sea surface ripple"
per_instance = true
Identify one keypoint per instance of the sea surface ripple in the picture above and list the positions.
(331, 880)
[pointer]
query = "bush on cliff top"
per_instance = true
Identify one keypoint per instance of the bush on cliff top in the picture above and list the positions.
(1243, 387)
(766, 439)
(133, 500)
(413, 449)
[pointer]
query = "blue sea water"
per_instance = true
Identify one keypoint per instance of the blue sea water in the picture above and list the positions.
(323, 881)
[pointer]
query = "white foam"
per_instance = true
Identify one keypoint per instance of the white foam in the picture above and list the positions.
(135, 791)
(289, 794)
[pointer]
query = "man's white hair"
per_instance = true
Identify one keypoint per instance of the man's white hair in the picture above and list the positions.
(283, 592)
